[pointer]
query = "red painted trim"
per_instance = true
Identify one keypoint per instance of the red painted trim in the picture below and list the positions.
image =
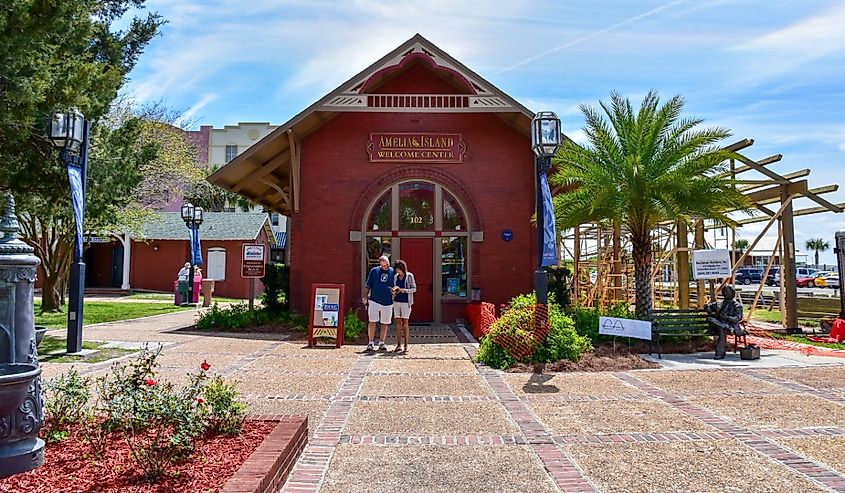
(416, 57)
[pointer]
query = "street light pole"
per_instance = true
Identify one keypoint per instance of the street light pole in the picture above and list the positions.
(545, 142)
(192, 215)
(69, 132)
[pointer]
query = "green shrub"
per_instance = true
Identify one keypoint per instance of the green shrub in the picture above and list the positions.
(238, 316)
(353, 326)
(66, 398)
(516, 323)
(587, 319)
(559, 279)
(276, 287)
(226, 412)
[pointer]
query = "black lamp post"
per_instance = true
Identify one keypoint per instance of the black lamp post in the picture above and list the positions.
(193, 219)
(545, 141)
(68, 132)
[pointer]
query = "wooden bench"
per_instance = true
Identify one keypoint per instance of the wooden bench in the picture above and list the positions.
(674, 323)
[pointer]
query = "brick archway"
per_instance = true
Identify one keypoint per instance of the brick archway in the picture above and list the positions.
(436, 175)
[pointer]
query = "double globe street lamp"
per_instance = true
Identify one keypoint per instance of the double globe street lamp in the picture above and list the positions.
(545, 141)
(68, 132)
(192, 215)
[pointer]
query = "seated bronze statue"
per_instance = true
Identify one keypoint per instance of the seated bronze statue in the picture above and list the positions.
(724, 319)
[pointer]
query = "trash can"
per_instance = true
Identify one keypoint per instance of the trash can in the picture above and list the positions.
(207, 291)
(183, 291)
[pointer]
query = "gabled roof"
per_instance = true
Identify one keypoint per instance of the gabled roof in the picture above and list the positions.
(216, 226)
(268, 172)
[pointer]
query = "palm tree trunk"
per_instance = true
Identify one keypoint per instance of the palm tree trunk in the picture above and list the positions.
(817, 259)
(642, 274)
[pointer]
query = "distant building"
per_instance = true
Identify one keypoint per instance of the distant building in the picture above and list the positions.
(765, 249)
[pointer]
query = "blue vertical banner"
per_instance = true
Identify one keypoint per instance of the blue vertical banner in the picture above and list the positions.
(74, 174)
(549, 233)
(196, 251)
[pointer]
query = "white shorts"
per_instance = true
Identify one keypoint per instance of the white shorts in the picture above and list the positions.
(379, 313)
(401, 310)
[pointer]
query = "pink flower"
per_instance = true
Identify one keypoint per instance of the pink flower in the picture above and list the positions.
(205, 366)
(149, 382)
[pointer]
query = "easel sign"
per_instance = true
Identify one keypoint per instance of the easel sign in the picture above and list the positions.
(326, 313)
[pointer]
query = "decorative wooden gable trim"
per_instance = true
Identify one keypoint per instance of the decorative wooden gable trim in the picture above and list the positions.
(480, 96)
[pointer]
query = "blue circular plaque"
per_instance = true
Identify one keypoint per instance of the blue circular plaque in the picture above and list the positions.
(507, 235)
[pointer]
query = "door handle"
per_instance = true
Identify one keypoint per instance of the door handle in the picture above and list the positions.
(431, 288)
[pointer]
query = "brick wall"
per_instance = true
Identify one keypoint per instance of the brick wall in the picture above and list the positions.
(496, 176)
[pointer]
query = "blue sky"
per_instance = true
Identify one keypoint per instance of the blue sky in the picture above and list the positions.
(769, 70)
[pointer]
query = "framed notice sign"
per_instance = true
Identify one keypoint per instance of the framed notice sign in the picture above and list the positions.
(623, 327)
(252, 261)
(326, 313)
(711, 264)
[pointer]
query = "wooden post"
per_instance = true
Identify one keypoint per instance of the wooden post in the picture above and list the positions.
(617, 261)
(576, 266)
(787, 274)
(683, 266)
(699, 245)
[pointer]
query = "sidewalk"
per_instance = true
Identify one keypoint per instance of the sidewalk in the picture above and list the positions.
(432, 420)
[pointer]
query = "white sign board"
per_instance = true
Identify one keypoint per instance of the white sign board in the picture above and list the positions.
(711, 264)
(625, 327)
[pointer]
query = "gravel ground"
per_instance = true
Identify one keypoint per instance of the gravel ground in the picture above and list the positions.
(280, 363)
(53, 370)
(174, 358)
(720, 467)
(822, 377)
(682, 382)
(568, 384)
(788, 411)
(269, 384)
(828, 450)
(436, 351)
(226, 345)
(113, 334)
(427, 418)
(407, 365)
(388, 385)
(315, 410)
(597, 417)
(324, 352)
(405, 468)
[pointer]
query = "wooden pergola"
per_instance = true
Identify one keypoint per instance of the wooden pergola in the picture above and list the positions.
(602, 246)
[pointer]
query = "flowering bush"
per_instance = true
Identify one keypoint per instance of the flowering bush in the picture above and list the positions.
(159, 421)
(66, 399)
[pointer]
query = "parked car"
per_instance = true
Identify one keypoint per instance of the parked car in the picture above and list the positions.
(822, 277)
(773, 277)
(807, 281)
(833, 281)
(748, 276)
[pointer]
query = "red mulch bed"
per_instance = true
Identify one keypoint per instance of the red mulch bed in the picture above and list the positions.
(68, 467)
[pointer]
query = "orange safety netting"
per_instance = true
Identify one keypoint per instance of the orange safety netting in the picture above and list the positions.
(481, 316)
(529, 332)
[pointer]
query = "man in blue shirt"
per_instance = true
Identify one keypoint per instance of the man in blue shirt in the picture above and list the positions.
(379, 300)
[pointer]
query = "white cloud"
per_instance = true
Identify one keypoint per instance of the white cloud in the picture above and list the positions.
(191, 112)
(796, 45)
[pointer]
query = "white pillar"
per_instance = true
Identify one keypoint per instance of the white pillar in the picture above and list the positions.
(127, 258)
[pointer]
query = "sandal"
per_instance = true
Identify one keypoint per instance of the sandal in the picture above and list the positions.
(397, 350)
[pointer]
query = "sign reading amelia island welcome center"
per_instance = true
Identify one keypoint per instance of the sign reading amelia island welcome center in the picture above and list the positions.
(416, 147)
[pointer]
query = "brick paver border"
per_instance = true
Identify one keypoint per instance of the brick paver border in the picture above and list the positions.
(563, 469)
(310, 471)
(760, 443)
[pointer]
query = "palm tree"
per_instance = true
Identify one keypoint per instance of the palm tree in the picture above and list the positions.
(817, 245)
(740, 245)
(644, 168)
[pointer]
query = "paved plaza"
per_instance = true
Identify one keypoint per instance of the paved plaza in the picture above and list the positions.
(432, 420)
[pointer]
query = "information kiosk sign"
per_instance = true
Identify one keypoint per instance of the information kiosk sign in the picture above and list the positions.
(326, 313)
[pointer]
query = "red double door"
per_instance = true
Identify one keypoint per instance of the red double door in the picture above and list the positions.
(418, 253)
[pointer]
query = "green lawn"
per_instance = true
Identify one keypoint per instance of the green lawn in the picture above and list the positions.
(774, 318)
(104, 311)
(169, 297)
(50, 344)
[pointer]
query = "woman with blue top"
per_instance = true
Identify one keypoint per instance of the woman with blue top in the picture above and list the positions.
(403, 300)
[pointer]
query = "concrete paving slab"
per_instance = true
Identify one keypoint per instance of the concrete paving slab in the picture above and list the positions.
(769, 358)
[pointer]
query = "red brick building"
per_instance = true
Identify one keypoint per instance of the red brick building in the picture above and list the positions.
(152, 260)
(417, 157)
